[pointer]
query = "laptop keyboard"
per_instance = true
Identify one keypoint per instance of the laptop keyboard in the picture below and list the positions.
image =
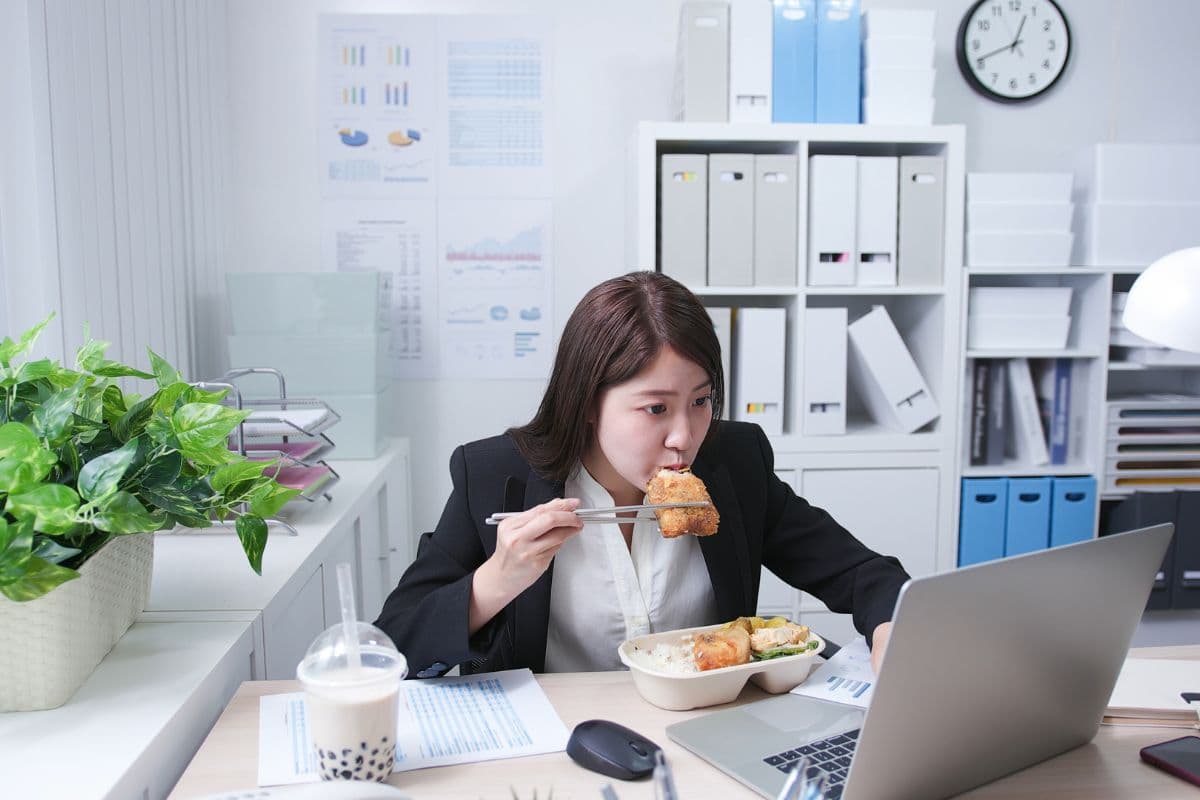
(830, 756)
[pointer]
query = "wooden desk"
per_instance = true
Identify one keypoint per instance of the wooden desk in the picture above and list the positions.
(1108, 767)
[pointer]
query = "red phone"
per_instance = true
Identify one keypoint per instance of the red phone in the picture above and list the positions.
(1180, 757)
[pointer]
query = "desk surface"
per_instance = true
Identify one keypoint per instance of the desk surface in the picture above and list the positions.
(1108, 767)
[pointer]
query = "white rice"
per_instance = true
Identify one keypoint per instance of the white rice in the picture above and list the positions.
(669, 658)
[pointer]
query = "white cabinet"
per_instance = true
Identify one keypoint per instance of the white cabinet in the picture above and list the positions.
(292, 629)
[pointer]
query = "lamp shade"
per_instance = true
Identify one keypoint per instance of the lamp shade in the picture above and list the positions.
(1164, 302)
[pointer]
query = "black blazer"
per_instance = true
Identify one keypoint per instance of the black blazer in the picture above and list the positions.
(763, 523)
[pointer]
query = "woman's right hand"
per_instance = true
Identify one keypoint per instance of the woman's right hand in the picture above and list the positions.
(525, 544)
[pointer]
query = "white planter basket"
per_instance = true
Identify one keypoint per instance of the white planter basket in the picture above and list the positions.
(49, 646)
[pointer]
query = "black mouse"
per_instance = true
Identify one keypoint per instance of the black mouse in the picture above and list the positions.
(611, 749)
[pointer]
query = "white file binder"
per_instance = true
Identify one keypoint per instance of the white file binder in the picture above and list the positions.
(883, 371)
(878, 187)
(1027, 437)
(824, 391)
(722, 319)
(701, 90)
(750, 32)
(758, 367)
(775, 203)
(683, 181)
(832, 186)
(730, 219)
(922, 220)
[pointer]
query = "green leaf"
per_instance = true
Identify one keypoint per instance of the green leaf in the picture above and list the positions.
(237, 471)
(203, 430)
(121, 512)
(252, 531)
(50, 550)
(158, 428)
(39, 577)
(51, 506)
(133, 421)
(197, 395)
(267, 499)
(167, 398)
(164, 373)
(53, 418)
(115, 369)
(178, 504)
(17, 440)
(90, 354)
(163, 470)
(101, 476)
(17, 476)
(113, 403)
(35, 370)
(9, 349)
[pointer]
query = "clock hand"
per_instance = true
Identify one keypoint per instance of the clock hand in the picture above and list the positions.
(997, 50)
(1017, 38)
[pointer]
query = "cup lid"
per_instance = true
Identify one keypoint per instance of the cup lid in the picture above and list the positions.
(326, 663)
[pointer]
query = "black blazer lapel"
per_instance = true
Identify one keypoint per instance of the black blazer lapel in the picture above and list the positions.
(532, 613)
(725, 553)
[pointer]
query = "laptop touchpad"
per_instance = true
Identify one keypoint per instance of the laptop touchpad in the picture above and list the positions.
(804, 718)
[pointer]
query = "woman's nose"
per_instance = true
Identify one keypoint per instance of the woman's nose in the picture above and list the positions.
(679, 437)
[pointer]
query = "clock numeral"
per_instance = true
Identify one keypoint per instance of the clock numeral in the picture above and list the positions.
(997, 10)
(979, 63)
(1051, 44)
(985, 25)
(1012, 83)
(1014, 5)
(1046, 25)
(1046, 64)
(975, 44)
(994, 76)
(1032, 79)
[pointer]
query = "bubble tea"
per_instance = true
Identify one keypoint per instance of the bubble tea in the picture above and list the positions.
(352, 710)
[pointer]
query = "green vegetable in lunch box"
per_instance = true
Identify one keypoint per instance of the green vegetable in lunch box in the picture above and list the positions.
(786, 650)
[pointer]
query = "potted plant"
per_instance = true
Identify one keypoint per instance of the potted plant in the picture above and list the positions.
(87, 473)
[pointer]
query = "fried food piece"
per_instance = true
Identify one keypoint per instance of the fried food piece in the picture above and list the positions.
(670, 486)
(723, 648)
(745, 623)
(768, 638)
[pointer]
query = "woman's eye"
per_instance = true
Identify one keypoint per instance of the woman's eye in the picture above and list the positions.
(657, 408)
(702, 401)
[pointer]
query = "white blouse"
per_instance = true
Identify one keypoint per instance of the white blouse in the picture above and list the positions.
(603, 593)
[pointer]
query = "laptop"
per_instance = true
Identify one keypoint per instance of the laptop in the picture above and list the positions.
(989, 669)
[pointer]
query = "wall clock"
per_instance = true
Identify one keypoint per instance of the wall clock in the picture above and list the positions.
(1013, 50)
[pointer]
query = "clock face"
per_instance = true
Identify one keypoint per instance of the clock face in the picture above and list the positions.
(1013, 50)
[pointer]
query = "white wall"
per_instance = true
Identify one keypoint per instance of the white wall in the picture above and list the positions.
(1132, 77)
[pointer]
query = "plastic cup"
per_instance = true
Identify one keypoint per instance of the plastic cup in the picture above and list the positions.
(352, 711)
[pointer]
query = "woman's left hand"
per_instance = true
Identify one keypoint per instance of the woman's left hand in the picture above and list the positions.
(879, 641)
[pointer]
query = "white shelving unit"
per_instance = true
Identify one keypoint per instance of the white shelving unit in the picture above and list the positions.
(897, 492)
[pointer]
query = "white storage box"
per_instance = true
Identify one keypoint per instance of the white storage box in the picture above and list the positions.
(1053, 301)
(680, 691)
(999, 217)
(887, 110)
(308, 302)
(312, 365)
(1013, 331)
(1019, 187)
(1136, 234)
(892, 82)
(1019, 248)
(1144, 173)
(900, 52)
(891, 23)
(365, 422)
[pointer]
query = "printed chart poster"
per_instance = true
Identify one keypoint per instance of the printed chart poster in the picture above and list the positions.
(378, 104)
(494, 289)
(397, 238)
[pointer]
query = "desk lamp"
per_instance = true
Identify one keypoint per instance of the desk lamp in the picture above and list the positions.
(1164, 302)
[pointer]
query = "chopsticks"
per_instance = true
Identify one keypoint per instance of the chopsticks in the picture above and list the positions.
(604, 514)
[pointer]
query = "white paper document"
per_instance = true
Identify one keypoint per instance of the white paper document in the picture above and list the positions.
(846, 678)
(1153, 687)
(441, 721)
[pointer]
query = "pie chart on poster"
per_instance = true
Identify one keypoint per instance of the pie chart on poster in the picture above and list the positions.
(352, 138)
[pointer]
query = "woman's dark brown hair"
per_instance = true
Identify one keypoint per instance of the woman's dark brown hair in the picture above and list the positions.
(615, 331)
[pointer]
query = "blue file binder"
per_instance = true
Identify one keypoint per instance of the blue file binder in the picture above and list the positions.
(794, 61)
(981, 524)
(1072, 510)
(1028, 526)
(839, 60)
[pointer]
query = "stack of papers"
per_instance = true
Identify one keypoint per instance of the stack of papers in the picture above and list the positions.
(847, 678)
(442, 721)
(284, 421)
(1149, 692)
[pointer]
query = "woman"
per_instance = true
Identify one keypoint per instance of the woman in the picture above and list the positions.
(636, 385)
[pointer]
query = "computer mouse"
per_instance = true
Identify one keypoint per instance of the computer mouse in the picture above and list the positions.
(608, 748)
